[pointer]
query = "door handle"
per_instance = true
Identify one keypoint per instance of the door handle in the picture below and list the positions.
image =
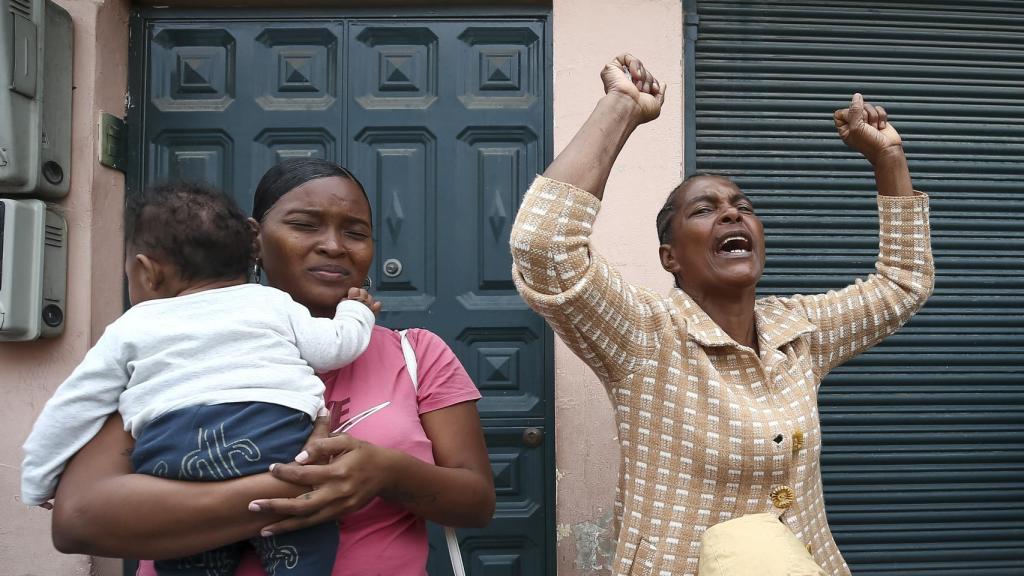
(392, 267)
(533, 437)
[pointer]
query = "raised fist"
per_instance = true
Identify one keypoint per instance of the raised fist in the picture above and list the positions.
(866, 129)
(626, 75)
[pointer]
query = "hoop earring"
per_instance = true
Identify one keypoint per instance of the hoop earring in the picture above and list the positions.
(368, 283)
(256, 274)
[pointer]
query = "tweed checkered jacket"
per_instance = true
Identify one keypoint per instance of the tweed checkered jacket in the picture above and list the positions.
(708, 429)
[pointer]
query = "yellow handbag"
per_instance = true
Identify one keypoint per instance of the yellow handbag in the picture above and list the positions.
(755, 545)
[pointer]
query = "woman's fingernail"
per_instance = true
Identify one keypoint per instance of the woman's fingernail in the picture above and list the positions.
(323, 412)
(272, 466)
(266, 533)
(302, 457)
(254, 507)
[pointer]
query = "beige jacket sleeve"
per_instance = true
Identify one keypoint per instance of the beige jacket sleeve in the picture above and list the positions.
(603, 319)
(851, 320)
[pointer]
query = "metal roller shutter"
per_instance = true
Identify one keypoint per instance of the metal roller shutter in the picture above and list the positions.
(924, 435)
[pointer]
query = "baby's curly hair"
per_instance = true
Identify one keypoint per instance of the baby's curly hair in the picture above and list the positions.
(197, 228)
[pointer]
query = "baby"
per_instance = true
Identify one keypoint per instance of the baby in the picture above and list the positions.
(213, 376)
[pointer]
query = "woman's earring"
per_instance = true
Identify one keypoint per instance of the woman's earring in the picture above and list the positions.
(368, 283)
(257, 272)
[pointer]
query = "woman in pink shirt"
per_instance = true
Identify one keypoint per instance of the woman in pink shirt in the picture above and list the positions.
(409, 455)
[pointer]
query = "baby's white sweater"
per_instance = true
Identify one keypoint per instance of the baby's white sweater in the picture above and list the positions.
(246, 343)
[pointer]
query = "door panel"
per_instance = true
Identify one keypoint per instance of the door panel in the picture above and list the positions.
(515, 544)
(504, 353)
(445, 121)
(419, 144)
(225, 100)
(397, 166)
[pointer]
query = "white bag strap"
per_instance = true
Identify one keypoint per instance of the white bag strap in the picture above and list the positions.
(454, 552)
(449, 533)
(410, 360)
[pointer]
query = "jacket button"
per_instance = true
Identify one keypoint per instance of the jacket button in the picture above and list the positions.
(782, 496)
(798, 441)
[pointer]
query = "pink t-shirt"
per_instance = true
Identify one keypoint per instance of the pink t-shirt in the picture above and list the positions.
(383, 538)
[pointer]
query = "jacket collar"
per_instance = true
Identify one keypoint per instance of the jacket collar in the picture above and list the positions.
(776, 324)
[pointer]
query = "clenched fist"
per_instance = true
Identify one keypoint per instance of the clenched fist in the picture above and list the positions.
(626, 75)
(866, 129)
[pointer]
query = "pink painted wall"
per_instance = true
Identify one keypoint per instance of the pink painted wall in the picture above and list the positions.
(587, 35)
(29, 372)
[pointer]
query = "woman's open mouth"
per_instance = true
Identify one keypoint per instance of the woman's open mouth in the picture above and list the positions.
(734, 245)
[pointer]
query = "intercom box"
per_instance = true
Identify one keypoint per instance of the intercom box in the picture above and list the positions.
(33, 270)
(36, 50)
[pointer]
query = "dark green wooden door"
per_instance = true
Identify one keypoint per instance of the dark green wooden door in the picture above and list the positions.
(923, 458)
(445, 120)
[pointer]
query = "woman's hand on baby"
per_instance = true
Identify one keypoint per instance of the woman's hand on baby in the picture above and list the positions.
(321, 430)
(356, 473)
(627, 76)
(866, 129)
(361, 295)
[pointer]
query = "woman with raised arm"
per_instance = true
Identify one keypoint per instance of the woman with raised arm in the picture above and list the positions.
(410, 454)
(715, 391)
